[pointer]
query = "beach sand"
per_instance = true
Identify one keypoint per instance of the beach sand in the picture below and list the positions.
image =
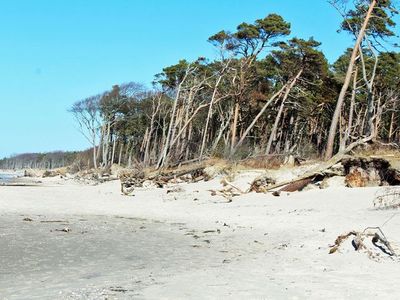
(89, 242)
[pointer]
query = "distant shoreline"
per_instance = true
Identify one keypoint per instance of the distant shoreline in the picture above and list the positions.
(6, 176)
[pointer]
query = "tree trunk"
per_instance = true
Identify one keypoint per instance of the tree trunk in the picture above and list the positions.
(120, 153)
(94, 149)
(277, 119)
(273, 97)
(234, 127)
(209, 117)
(351, 113)
(339, 104)
(171, 126)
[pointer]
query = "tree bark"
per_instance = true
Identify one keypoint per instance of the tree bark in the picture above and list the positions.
(234, 127)
(351, 113)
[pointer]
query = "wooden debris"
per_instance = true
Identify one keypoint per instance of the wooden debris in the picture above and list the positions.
(134, 178)
(130, 179)
(227, 193)
(225, 182)
(297, 185)
(359, 171)
(339, 240)
(188, 175)
(261, 183)
(378, 245)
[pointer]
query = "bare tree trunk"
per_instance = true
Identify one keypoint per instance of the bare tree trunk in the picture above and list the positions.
(94, 149)
(339, 104)
(369, 129)
(234, 127)
(223, 127)
(113, 151)
(391, 126)
(364, 118)
(278, 116)
(273, 97)
(171, 126)
(120, 153)
(351, 113)
(209, 115)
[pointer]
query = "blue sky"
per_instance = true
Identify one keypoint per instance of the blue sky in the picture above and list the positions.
(53, 53)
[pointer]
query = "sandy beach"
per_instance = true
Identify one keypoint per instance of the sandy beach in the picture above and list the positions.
(65, 240)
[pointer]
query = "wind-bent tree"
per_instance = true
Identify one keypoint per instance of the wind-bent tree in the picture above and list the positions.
(261, 96)
(247, 43)
(370, 18)
(87, 114)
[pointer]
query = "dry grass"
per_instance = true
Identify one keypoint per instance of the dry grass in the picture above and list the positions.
(379, 150)
(262, 162)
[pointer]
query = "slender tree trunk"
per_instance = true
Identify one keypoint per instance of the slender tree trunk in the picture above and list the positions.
(278, 116)
(209, 115)
(171, 126)
(391, 126)
(339, 104)
(113, 150)
(94, 149)
(273, 97)
(222, 129)
(234, 127)
(351, 113)
(120, 153)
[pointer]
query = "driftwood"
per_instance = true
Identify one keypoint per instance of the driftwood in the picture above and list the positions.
(339, 240)
(131, 179)
(226, 182)
(228, 193)
(380, 244)
(311, 174)
(195, 174)
(260, 184)
(385, 174)
(298, 185)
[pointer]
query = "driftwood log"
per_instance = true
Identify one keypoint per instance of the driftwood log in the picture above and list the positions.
(324, 166)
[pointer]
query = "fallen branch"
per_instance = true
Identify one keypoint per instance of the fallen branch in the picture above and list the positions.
(379, 243)
(226, 182)
(321, 170)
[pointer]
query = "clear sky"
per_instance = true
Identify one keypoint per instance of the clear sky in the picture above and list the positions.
(55, 52)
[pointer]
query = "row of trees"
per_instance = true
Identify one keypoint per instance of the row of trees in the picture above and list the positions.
(51, 160)
(264, 95)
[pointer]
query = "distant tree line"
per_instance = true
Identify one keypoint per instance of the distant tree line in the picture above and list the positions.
(49, 160)
(264, 94)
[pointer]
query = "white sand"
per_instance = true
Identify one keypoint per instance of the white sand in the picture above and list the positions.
(189, 245)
